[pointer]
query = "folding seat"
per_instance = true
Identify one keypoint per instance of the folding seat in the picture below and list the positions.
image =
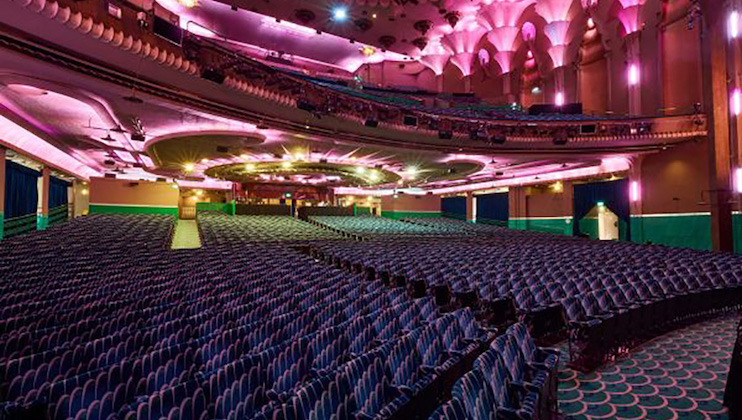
(287, 370)
(374, 393)
(585, 335)
(514, 400)
(451, 410)
(476, 397)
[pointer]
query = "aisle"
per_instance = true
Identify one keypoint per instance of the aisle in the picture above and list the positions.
(186, 235)
(680, 375)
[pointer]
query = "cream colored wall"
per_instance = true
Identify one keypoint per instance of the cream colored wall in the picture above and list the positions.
(136, 193)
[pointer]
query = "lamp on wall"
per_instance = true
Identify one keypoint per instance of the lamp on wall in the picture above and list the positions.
(633, 74)
(635, 193)
(733, 24)
(559, 99)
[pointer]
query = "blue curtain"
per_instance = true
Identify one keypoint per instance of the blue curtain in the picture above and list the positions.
(21, 193)
(454, 207)
(614, 194)
(57, 192)
(493, 207)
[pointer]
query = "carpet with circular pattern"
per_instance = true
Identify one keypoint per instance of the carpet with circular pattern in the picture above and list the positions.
(677, 376)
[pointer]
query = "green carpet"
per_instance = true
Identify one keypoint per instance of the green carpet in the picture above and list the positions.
(678, 376)
(186, 235)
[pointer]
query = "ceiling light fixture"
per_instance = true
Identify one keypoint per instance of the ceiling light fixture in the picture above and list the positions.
(340, 14)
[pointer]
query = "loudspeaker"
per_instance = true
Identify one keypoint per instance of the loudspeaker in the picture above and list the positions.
(410, 120)
(213, 75)
(588, 129)
(305, 105)
(560, 139)
(371, 123)
(445, 135)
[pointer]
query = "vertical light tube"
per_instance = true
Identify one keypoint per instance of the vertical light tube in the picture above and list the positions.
(633, 74)
(635, 191)
(559, 100)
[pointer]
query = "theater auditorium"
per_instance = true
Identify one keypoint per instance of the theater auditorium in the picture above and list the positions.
(370, 209)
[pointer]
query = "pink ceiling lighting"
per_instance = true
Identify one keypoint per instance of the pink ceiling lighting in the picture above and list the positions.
(629, 15)
(435, 57)
(500, 19)
(605, 167)
(556, 14)
(462, 43)
(16, 137)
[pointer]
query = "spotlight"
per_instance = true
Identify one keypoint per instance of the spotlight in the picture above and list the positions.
(189, 167)
(340, 13)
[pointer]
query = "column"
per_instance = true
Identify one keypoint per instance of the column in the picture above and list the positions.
(2, 191)
(42, 215)
(635, 200)
(517, 218)
(716, 106)
(470, 207)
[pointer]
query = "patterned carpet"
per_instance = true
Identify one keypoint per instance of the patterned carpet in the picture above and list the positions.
(680, 375)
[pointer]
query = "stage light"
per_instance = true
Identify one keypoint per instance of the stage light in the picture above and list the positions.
(204, 160)
(736, 102)
(536, 90)
(199, 192)
(360, 169)
(374, 176)
(340, 13)
(189, 167)
(250, 167)
(84, 192)
(601, 204)
(188, 3)
(738, 179)
(633, 75)
(285, 165)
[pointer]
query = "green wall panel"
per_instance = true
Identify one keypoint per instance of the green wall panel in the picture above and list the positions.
(42, 222)
(362, 211)
(557, 226)
(220, 207)
(503, 223)
(682, 230)
(589, 227)
(453, 216)
(403, 214)
(737, 228)
(103, 208)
